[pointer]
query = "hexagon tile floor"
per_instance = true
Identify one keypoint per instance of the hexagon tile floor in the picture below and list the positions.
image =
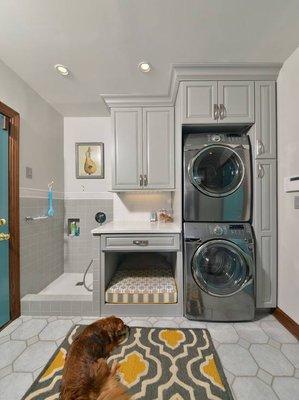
(260, 359)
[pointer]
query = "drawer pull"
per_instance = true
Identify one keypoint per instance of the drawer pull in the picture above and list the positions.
(140, 242)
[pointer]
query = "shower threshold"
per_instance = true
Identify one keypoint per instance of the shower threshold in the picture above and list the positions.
(63, 296)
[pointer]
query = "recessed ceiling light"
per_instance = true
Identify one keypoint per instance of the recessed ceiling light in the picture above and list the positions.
(144, 66)
(62, 69)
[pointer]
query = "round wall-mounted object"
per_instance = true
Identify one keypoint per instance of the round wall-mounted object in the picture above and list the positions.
(100, 217)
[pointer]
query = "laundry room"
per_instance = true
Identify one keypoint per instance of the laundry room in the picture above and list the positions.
(149, 180)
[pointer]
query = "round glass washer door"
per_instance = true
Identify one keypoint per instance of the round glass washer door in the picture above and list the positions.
(216, 170)
(220, 268)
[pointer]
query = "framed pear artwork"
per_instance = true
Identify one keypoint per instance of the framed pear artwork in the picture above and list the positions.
(90, 160)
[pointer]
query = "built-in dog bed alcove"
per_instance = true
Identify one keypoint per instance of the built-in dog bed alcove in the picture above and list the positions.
(145, 278)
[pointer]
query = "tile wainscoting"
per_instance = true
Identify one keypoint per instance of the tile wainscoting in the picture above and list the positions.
(78, 250)
(42, 246)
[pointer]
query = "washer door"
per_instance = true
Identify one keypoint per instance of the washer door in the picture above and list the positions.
(216, 171)
(221, 268)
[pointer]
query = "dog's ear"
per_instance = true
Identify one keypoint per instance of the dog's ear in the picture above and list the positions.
(100, 338)
(97, 344)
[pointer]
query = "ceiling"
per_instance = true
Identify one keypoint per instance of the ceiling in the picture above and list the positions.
(102, 42)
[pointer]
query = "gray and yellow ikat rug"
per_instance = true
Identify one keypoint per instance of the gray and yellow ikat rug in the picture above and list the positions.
(154, 363)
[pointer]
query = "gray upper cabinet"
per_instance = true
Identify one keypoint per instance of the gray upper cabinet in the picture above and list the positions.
(265, 116)
(158, 148)
(265, 227)
(143, 148)
(127, 148)
(199, 102)
(210, 102)
(236, 101)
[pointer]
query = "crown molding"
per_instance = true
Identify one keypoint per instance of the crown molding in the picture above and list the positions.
(196, 72)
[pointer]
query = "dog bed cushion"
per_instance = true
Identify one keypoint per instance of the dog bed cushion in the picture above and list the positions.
(144, 280)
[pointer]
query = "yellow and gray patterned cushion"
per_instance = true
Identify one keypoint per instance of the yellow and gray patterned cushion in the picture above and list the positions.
(146, 283)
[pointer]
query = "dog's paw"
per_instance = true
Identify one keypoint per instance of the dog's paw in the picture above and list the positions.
(114, 368)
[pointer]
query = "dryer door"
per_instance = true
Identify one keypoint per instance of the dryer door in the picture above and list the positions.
(221, 268)
(216, 171)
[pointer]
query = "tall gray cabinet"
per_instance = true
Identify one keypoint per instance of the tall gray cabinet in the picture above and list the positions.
(265, 194)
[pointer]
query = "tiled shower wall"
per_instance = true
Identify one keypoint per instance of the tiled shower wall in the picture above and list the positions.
(78, 250)
(42, 247)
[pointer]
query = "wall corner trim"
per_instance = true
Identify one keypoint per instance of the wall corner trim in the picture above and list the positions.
(287, 322)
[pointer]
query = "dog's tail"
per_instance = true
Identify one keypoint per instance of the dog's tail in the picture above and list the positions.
(105, 379)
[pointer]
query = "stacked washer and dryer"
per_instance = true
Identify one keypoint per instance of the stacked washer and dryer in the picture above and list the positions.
(219, 279)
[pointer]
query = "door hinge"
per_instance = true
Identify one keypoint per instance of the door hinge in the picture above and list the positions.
(5, 123)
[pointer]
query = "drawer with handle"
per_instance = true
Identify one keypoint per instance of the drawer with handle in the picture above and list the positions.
(140, 242)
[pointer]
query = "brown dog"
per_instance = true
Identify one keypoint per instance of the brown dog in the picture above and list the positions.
(86, 375)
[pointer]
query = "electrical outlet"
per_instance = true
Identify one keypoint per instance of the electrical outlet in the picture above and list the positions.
(28, 172)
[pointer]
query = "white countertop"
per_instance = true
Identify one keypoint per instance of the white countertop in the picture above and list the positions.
(137, 227)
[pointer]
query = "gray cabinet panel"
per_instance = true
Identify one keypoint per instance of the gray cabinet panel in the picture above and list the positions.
(265, 225)
(199, 98)
(265, 116)
(127, 148)
(236, 101)
(158, 147)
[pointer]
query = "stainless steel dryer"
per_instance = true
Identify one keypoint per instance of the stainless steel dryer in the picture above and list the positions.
(219, 271)
(217, 177)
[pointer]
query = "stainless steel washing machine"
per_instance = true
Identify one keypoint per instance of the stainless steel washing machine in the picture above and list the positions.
(219, 272)
(217, 177)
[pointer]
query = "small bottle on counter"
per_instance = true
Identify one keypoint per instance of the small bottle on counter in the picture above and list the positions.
(153, 216)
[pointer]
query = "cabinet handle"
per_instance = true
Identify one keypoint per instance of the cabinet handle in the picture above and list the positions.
(140, 242)
(145, 180)
(216, 111)
(260, 148)
(222, 111)
(261, 171)
(140, 180)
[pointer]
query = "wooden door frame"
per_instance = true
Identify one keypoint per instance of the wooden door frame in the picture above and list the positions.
(14, 211)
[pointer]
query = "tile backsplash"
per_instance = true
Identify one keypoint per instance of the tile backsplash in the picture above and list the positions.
(78, 250)
(46, 248)
(41, 244)
(138, 206)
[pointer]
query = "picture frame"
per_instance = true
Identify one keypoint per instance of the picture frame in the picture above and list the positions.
(90, 163)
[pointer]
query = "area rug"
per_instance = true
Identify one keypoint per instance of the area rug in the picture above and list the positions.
(155, 363)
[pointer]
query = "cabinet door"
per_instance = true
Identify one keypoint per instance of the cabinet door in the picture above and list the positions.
(127, 148)
(158, 147)
(264, 224)
(265, 117)
(199, 102)
(236, 101)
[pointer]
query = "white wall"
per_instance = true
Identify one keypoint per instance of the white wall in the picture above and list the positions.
(86, 129)
(41, 135)
(288, 164)
(126, 206)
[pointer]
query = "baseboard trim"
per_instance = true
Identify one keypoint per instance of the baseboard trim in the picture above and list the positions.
(287, 322)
